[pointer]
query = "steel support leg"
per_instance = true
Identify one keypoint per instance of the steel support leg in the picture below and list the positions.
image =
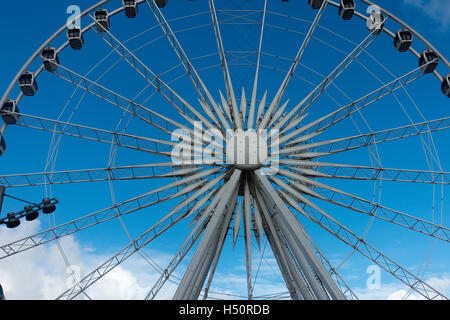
(208, 244)
(295, 283)
(316, 274)
(291, 284)
(215, 255)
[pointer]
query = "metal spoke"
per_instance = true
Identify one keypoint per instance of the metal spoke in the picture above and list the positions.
(296, 61)
(257, 224)
(152, 78)
(336, 196)
(353, 172)
(134, 204)
(186, 63)
(178, 257)
(315, 94)
(145, 238)
(150, 171)
(338, 115)
(226, 71)
(253, 193)
(294, 279)
(346, 291)
(155, 146)
(317, 276)
(200, 264)
(330, 224)
(189, 242)
(222, 239)
(151, 117)
(251, 114)
(248, 239)
(237, 222)
(350, 143)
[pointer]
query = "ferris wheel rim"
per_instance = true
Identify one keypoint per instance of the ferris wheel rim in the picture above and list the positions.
(36, 54)
(117, 12)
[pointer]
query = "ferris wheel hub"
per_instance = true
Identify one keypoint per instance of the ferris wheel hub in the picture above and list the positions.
(246, 150)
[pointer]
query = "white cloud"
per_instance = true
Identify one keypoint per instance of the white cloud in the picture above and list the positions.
(41, 273)
(397, 291)
(438, 10)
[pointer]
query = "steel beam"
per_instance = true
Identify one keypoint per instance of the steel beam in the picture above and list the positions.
(208, 243)
(295, 282)
(295, 236)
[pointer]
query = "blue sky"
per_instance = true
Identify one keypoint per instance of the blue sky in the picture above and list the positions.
(27, 148)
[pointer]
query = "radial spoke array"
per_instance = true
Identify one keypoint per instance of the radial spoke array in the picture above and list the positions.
(187, 65)
(234, 196)
(352, 172)
(152, 171)
(156, 146)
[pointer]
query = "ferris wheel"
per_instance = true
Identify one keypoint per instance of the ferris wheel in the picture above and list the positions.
(228, 127)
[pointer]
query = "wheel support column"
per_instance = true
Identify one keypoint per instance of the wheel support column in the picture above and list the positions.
(317, 276)
(195, 275)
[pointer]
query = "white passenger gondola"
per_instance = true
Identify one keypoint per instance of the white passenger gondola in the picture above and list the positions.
(9, 106)
(75, 37)
(315, 4)
(131, 8)
(403, 40)
(102, 19)
(347, 9)
(50, 59)
(28, 83)
(446, 86)
(428, 61)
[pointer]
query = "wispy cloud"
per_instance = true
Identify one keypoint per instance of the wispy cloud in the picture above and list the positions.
(438, 10)
(397, 291)
(40, 273)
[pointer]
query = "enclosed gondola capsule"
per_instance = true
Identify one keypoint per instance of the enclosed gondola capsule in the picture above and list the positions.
(28, 83)
(9, 106)
(315, 4)
(31, 213)
(48, 206)
(102, 19)
(403, 40)
(75, 37)
(347, 9)
(428, 61)
(446, 86)
(2, 146)
(12, 222)
(50, 59)
(131, 8)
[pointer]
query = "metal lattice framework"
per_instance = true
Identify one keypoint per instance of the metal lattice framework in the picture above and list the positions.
(264, 181)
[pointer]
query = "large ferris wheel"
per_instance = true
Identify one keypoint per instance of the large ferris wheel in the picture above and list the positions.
(253, 128)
